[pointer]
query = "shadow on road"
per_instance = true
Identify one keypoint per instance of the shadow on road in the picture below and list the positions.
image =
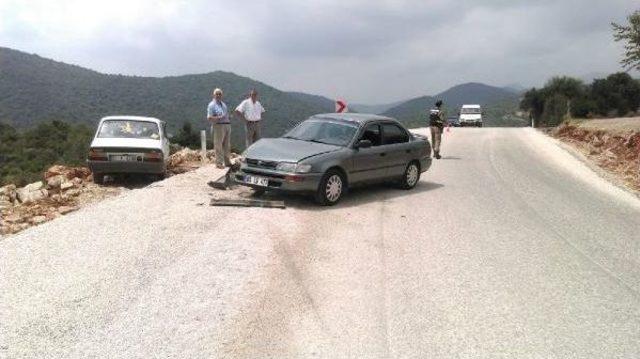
(355, 197)
(451, 158)
(130, 181)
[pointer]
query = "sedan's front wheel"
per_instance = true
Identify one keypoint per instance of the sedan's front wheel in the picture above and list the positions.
(331, 188)
(411, 176)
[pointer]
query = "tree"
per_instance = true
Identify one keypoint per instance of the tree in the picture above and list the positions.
(567, 87)
(630, 34)
(555, 109)
(618, 94)
(186, 137)
(533, 102)
(582, 107)
(551, 104)
(25, 154)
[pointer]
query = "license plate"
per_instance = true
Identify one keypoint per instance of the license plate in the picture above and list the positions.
(258, 181)
(123, 158)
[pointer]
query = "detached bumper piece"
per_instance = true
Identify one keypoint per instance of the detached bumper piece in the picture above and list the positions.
(248, 203)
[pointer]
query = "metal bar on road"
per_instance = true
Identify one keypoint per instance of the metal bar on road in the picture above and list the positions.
(248, 203)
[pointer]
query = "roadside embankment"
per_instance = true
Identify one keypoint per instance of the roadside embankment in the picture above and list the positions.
(612, 144)
(65, 189)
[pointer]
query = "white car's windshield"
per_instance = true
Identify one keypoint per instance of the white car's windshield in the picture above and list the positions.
(322, 131)
(129, 129)
(470, 111)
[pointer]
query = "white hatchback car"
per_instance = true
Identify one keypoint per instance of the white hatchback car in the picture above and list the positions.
(129, 144)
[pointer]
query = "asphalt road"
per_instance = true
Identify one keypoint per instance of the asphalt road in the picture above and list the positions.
(508, 247)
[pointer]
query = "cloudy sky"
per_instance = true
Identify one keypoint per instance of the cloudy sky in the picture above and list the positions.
(365, 51)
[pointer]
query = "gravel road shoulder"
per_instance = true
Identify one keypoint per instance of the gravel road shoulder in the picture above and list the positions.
(155, 270)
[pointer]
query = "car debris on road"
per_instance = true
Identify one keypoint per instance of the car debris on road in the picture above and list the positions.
(245, 202)
(225, 182)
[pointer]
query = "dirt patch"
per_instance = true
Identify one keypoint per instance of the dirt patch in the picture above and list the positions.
(612, 125)
(612, 148)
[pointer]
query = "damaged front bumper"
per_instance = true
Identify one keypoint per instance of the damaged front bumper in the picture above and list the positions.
(277, 180)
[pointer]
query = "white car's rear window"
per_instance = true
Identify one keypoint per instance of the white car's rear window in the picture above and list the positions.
(129, 129)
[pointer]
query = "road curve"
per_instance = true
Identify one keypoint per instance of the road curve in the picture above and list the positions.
(508, 247)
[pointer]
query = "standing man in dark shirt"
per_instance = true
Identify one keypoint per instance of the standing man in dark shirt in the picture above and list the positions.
(436, 123)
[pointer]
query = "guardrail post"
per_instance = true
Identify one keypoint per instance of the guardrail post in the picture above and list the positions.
(203, 145)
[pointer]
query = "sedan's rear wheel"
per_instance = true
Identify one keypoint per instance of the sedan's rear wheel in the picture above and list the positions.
(331, 188)
(411, 175)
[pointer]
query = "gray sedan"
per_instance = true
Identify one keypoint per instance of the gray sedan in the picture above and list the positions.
(326, 154)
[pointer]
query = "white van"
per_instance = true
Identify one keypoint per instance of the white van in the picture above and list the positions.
(471, 115)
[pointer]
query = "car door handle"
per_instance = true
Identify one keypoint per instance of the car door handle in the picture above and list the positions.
(383, 154)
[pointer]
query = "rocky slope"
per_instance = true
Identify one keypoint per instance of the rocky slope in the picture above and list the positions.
(612, 144)
(65, 189)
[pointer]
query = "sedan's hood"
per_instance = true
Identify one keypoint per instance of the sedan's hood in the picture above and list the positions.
(126, 142)
(286, 149)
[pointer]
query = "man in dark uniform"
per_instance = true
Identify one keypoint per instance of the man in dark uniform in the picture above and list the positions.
(436, 122)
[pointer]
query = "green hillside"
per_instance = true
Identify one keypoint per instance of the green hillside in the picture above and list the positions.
(375, 109)
(314, 100)
(498, 103)
(35, 90)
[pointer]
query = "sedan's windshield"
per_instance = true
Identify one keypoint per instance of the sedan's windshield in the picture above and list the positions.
(323, 131)
(129, 129)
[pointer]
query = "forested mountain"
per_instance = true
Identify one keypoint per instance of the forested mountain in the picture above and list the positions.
(376, 109)
(51, 108)
(314, 100)
(411, 110)
(497, 102)
(35, 90)
(476, 93)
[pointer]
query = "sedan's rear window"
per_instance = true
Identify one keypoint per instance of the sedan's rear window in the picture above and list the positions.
(394, 134)
(129, 129)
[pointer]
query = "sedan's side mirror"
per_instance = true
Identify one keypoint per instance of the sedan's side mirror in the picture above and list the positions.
(363, 144)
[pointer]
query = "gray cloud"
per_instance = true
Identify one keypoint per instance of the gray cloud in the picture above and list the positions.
(364, 51)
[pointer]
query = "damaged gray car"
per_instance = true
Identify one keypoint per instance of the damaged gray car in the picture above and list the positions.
(329, 153)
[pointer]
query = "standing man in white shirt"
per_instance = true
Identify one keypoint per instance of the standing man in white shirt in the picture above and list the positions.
(251, 110)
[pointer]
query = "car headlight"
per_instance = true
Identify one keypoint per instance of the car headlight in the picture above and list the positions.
(286, 167)
(303, 168)
(293, 167)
